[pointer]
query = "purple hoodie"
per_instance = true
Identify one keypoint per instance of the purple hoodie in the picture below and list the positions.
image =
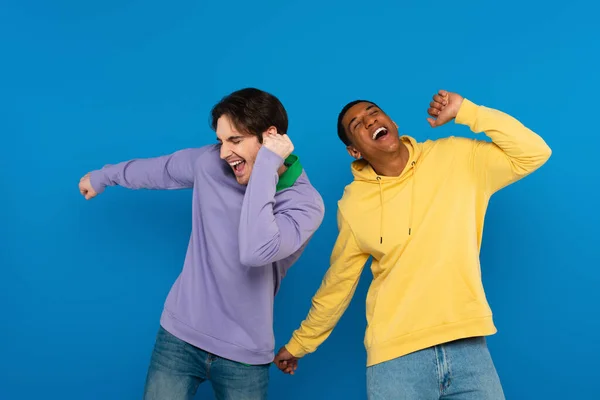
(243, 240)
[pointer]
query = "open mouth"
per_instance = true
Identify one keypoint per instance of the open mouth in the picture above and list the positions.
(380, 133)
(238, 167)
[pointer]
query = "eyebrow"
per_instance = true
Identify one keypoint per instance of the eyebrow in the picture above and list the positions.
(366, 109)
(230, 138)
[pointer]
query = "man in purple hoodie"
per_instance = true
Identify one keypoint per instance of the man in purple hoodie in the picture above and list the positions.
(253, 212)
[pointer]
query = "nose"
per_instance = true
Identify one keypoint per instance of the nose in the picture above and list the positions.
(370, 120)
(225, 152)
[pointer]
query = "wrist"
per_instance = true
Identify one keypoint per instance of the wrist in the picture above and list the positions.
(295, 348)
(467, 113)
(97, 181)
(269, 157)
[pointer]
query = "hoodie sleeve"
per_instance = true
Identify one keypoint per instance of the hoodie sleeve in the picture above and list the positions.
(334, 295)
(514, 153)
(267, 233)
(173, 171)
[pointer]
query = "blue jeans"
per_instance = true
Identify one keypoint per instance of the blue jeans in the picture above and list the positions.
(459, 370)
(178, 368)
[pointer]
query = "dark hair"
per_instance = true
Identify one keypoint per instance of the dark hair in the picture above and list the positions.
(251, 111)
(341, 130)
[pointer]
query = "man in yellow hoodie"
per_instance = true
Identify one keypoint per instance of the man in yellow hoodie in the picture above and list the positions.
(418, 210)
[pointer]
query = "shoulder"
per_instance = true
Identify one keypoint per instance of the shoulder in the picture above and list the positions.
(210, 151)
(194, 154)
(355, 203)
(303, 189)
(207, 155)
(302, 192)
(454, 142)
(355, 194)
(445, 143)
(449, 147)
(206, 162)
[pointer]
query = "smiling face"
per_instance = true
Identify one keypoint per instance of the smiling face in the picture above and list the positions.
(238, 149)
(370, 131)
(240, 120)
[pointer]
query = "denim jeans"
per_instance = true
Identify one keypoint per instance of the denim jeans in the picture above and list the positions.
(459, 370)
(178, 368)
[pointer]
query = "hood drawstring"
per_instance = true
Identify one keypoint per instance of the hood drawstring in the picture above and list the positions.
(410, 207)
(381, 208)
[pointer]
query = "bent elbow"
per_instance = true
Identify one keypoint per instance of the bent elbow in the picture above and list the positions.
(258, 255)
(535, 160)
(251, 260)
(546, 153)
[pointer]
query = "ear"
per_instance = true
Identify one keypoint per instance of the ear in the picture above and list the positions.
(271, 131)
(353, 152)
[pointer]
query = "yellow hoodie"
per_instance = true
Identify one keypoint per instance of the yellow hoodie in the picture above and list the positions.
(423, 230)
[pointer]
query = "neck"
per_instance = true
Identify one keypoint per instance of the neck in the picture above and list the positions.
(391, 164)
(281, 170)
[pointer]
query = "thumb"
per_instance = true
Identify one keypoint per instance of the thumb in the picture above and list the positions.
(432, 122)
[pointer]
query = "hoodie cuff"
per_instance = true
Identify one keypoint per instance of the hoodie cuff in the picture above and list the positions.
(97, 181)
(467, 114)
(295, 348)
(267, 157)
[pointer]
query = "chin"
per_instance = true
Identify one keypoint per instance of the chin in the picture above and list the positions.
(394, 145)
(242, 180)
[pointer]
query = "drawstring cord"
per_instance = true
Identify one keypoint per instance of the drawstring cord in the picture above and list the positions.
(380, 214)
(412, 200)
(410, 208)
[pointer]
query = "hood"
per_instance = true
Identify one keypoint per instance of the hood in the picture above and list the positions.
(363, 172)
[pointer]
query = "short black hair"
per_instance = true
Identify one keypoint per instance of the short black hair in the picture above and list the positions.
(341, 130)
(251, 111)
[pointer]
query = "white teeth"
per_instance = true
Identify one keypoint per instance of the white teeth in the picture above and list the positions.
(377, 132)
(233, 164)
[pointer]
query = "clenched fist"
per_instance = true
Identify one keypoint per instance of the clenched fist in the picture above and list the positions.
(443, 108)
(85, 187)
(285, 361)
(278, 144)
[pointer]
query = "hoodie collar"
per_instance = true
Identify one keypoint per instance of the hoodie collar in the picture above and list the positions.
(362, 170)
(291, 174)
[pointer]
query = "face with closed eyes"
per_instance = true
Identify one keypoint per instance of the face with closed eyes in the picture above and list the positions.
(370, 130)
(238, 149)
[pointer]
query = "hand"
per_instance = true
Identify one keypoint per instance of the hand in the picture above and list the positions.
(285, 361)
(85, 187)
(443, 108)
(278, 144)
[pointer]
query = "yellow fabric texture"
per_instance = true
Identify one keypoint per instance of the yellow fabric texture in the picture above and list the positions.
(423, 230)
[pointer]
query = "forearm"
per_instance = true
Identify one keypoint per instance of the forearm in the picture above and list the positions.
(173, 171)
(266, 236)
(334, 295)
(515, 151)
(328, 306)
(525, 149)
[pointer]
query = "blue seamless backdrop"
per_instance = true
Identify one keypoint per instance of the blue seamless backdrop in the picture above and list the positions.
(85, 84)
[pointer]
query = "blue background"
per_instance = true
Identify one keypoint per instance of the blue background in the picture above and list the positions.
(84, 84)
